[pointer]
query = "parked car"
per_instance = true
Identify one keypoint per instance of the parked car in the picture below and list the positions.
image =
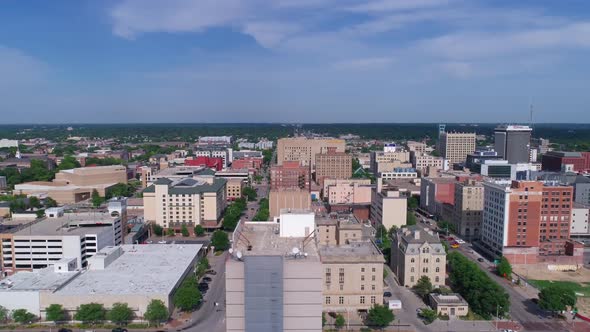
(119, 329)
(203, 285)
(162, 242)
(63, 329)
(454, 245)
(211, 272)
(481, 260)
(460, 241)
(387, 294)
(450, 238)
(207, 279)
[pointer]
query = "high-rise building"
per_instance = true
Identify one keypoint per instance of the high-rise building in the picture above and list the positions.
(456, 146)
(513, 143)
(332, 165)
(468, 209)
(290, 175)
(303, 150)
(523, 220)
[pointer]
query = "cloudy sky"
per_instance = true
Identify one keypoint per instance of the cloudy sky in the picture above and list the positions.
(81, 61)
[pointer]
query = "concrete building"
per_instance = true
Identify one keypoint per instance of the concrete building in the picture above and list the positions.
(418, 148)
(455, 147)
(214, 140)
(416, 252)
(580, 220)
(296, 222)
(527, 221)
(75, 185)
(468, 209)
(479, 157)
(189, 202)
(303, 150)
(347, 191)
(557, 161)
(513, 143)
(280, 199)
(399, 173)
(436, 191)
(332, 165)
(233, 189)
(389, 207)
(289, 175)
(273, 283)
(451, 305)
(226, 154)
(382, 161)
(76, 236)
(421, 161)
(8, 143)
(247, 162)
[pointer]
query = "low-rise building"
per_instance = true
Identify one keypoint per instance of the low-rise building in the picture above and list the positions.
(580, 220)
(233, 189)
(421, 162)
(347, 191)
(399, 173)
(416, 252)
(382, 161)
(451, 305)
(389, 207)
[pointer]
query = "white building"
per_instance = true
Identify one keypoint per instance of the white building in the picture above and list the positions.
(399, 173)
(71, 235)
(225, 154)
(8, 143)
(580, 219)
(296, 222)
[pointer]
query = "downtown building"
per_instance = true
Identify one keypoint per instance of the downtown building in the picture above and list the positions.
(455, 147)
(529, 222)
(304, 150)
(558, 161)
(332, 165)
(513, 143)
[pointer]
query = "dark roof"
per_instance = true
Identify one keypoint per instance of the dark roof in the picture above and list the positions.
(163, 181)
(205, 171)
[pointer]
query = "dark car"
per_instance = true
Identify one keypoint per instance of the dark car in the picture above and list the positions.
(119, 329)
(481, 260)
(207, 279)
(63, 329)
(212, 272)
(203, 285)
(387, 294)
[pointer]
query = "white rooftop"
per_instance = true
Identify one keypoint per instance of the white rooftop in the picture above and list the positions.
(44, 279)
(141, 269)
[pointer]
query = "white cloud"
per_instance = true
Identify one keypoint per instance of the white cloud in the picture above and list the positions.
(270, 34)
(396, 5)
(364, 63)
(19, 68)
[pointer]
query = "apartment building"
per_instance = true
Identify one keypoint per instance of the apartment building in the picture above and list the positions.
(468, 209)
(280, 199)
(189, 202)
(332, 165)
(455, 147)
(382, 161)
(421, 161)
(303, 150)
(75, 185)
(289, 175)
(389, 207)
(71, 235)
(525, 220)
(347, 191)
(416, 252)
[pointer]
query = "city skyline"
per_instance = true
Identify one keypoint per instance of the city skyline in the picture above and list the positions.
(283, 61)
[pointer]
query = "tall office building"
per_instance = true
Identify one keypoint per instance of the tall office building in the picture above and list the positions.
(303, 150)
(456, 146)
(513, 143)
(332, 165)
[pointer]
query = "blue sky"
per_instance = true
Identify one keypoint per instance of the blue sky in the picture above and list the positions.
(80, 61)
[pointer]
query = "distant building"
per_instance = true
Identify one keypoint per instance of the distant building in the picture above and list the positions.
(455, 147)
(210, 162)
(226, 154)
(580, 220)
(421, 162)
(289, 175)
(332, 165)
(75, 185)
(214, 140)
(8, 143)
(247, 162)
(451, 305)
(399, 173)
(386, 161)
(557, 161)
(185, 202)
(234, 189)
(479, 157)
(419, 148)
(436, 191)
(76, 236)
(513, 143)
(416, 252)
(347, 191)
(303, 150)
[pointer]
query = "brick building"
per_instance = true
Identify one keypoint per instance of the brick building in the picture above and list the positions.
(209, 162)
(557, 160)
(291, 174)
(332, 165)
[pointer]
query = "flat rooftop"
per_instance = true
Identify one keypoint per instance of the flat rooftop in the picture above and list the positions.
(141, 269)
(69, 224)
(44, 279)
(362, 251)
(264, 239)
(448, 299)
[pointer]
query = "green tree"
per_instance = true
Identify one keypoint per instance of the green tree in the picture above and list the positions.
(220, 240)
(323, 319)
(250, 193)
(504, 268)
(156, 312)
(158, 230)
(556, 297)
(49, 202)
(34, 202)
(121, 190)
(187, 296)
(170, 232)
(55, 313)
(3, 314)
(410, 218)
(120, 313)
(184, 231)
(68, 162)
(413, 203)
(339, 322)
(199, 230)
(380, 316)
(96, 199)
(90, 313)
(263, 213)
(22, 316)
(429, 315)
(423, 287)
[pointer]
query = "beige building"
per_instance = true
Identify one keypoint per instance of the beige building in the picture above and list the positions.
(233, 189)
(456, 146)
(452, 305)
(188, 202)
(386, 161)
(288, 199)
(468, 209)
(421, 162)
(332, 165)
(304, 150)
(388, 207)
(347, 191)
(416, 252)
(75, 185)
(417, 147)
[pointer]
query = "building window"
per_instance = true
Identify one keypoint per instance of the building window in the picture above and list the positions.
(341, 300)
(341, 276)
(412, 260)
(373, 269)
(372, 287)
(362, 278)
(437, 269)
(372, 278)
(412, 279)
(362, 300)
(362, 269)
(412, 269)
(436, 279)
(327, 300)
(373, 299)
(438, 260)
(341, 287)
(362, 287)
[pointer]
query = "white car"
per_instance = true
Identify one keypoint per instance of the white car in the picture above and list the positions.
(460, 241)
(162, 242)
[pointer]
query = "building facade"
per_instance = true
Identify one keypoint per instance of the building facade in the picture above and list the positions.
(513, 143)
(347, 191)
(557, 161)
(289, 175)
(468, 209)
(388, 207)
(303, 150)
(288, 199)
(332, 165)
(455, 147)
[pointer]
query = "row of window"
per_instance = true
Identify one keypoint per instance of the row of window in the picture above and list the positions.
(361, 299)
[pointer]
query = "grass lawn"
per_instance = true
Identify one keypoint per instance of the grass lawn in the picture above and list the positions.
(582, 288)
